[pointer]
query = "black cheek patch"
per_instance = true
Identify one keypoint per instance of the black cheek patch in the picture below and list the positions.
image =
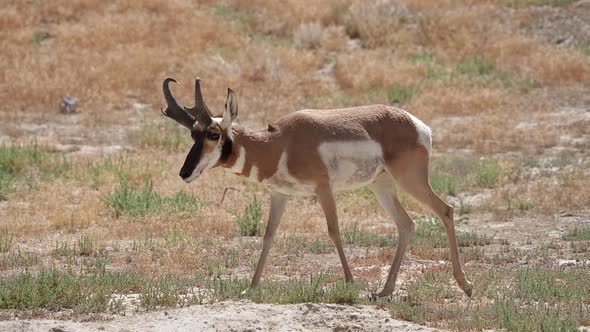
(226, 150)
(192, 159)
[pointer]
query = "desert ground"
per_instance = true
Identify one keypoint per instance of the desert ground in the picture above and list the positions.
(98, 231)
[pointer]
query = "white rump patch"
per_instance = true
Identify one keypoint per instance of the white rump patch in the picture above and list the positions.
(352, 164)
(424, 133)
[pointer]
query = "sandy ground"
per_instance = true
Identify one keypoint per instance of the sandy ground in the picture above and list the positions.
(236, 316)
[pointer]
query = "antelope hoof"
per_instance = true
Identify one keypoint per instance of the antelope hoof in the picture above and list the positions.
(384, 293)
(372, 297)
(468, 289)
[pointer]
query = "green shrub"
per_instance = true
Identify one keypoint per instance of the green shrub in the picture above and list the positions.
(400, 94)
(250, 222)
(22, 165)
(126, 200)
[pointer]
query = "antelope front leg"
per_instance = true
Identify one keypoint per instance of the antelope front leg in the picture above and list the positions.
(278, 202)
(326, 198)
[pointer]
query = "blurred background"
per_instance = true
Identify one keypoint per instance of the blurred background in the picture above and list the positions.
(477, 71)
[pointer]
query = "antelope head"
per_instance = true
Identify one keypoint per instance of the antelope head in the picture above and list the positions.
(212, 136)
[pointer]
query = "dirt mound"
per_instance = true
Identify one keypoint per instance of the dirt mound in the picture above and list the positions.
(236, 316)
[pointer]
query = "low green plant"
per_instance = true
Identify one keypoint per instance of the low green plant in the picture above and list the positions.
(486, 173)
(85, 246)
(471, 239)
(444, 184)
(250, 221)
(63, 249)
(435, 70)
(578, 234)
(22, 165)
(127, 200)
(6, 240)
(524, 299)
(301, 243)
(431, 241)
(400, 94)
(451, 175)
(485, 71)
(164, 292)
(241, 17)
(40, 37)
(476, 67)
(163, 135)
(423, 57)
(585, 49)
(314, 289)
(464, 208)
(357, 236)
(18, 259)
(90, 290)
(175, 237)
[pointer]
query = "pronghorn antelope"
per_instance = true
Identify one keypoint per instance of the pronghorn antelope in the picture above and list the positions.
(320, 152)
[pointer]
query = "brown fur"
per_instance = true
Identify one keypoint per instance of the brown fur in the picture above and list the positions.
(299, 135)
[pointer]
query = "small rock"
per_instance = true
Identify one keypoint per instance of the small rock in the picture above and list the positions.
(68, 105)
(566, 262)
(57, 329)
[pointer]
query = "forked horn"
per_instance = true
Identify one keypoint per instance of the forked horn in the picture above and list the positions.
(200, 111)
(174, 111)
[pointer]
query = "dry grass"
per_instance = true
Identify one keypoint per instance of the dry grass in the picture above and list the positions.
(509, 147)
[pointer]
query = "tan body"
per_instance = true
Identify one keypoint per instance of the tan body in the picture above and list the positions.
(343, 148)
(320, 152)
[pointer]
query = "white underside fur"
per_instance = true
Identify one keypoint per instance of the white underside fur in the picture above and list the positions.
(424, 133)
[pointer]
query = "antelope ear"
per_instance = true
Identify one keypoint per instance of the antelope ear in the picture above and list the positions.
(231, 109)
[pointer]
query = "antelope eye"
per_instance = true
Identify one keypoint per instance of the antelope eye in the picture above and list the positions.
(212, 136)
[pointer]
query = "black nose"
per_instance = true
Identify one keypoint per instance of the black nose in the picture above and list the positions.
(184, 173)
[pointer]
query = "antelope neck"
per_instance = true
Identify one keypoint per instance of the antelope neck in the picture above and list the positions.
(251, 154)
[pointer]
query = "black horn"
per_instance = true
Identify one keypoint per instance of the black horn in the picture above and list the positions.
(174, 111)
(200, 111)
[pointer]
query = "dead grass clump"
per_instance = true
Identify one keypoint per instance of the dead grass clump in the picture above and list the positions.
(9, 19)
(74, 218)
(492, 134)
(362, 70)
(283, 18)
(553, 67)
(65, 11)
(459, 32)
(112, 53)
(376, 23)
(539, 62)
(315, 36)
(308, 35)
(334, 38)
(567, 191)
(444, 100)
